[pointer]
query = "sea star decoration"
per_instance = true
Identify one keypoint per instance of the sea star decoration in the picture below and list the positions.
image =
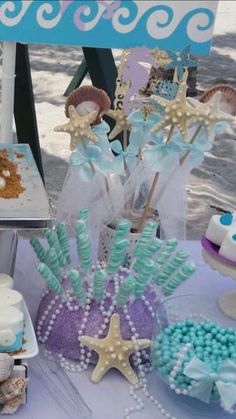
(122, 123)
(177, 112)
(79, 127)
(180, 61)
(114, 352)
(209, 113)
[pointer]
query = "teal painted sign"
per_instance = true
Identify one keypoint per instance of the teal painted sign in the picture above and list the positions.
(110, 24)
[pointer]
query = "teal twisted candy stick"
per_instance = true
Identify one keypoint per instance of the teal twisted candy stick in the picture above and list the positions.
(185, 273)
(125, 291)
(50, 279)
(148, 252)
(148, 231)
(122, 230)
(99, 285)
(53, 240)
(63, 240)
(83, 244)
(53, 263)
(38, 248)
(166, 251)
(117, 255)
(77, 285)
(84, 214)
(172, 267)
(146, 272)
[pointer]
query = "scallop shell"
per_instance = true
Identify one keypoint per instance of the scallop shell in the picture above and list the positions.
(228, 97)
(6, 366)
(11, 388)
(89, 93)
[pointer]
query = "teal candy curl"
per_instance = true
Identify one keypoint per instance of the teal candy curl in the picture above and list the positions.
(99, 285)
(51, 280)
(38, 248)
(126, 289)
(77, 285)
(53, 263)
(63, 240)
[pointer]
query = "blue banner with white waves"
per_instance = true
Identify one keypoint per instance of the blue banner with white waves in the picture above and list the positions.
(110, 24)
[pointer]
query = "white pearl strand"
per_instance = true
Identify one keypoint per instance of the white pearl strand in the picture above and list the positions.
(179, 362)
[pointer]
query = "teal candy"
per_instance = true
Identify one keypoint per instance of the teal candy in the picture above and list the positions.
(51, 280)
(149, 230)
(83, 244)
(53, 240)
(53, 262)
(63, 240)
(147, 269)
(126, 289)
(117, 253)
(77, 285)
(83, 214)
(186, 272)
(99, 285)
(38, 248)
(226, 219)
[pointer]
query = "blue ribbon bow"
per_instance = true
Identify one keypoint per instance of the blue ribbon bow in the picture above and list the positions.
(140, 133)
(204, 380)
(161, 157)
(127, 156)
(88, 162)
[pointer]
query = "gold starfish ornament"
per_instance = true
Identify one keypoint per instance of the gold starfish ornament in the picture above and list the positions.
(79, 127)
(122, 123)
(177, 112)
(114, 351)
(209, 114)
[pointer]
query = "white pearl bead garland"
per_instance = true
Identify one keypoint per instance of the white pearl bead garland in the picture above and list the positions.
(179, 362)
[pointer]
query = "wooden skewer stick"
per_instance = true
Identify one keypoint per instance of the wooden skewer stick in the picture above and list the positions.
(153, 187)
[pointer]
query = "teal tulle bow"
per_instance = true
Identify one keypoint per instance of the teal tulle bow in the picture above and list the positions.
(141, 127)
(89, 162)
(205, 379)
(101, 130)
(123, 157)
(196, 150)
(161, 157)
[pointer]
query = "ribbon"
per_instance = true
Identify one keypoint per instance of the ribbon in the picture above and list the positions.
(196, 149)
(141, 127)
(123, 156)
(205, 378)
(161, 157)
(90, 161)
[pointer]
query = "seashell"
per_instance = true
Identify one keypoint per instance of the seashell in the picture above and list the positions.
(11, 388)
(6, 366)
(13, 405)
(87, 99)
(228, 97)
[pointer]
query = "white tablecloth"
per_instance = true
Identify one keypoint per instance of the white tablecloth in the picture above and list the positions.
(110, 397)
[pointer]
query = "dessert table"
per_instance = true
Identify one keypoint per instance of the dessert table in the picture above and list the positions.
(110, 397)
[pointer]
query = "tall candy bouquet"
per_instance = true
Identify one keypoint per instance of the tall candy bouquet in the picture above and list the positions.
(139, 170)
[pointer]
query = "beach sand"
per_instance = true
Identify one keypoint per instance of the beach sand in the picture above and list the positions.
(211, 185)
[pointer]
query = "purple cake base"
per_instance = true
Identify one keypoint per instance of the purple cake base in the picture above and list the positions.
(213, 250)
(63, 336)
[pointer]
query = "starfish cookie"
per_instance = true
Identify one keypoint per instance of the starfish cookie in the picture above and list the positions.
(114, 352)
(177, 112)
(209, 114)
(79, 127)
(122, 123)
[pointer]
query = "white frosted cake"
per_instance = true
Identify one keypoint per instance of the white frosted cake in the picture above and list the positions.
(11, 329)
(6, 281)
(221, 231)
(9, 297)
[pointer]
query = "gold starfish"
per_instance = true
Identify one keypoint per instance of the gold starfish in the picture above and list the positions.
(177, 112)
(161, 57)
(122, 123)
(114, 352)
(79, 127)
(209, 114)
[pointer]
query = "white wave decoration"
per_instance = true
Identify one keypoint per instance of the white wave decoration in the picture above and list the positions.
(48, 8)
(125, 13)
(198, 21)
(86, 11)
(11, 7)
